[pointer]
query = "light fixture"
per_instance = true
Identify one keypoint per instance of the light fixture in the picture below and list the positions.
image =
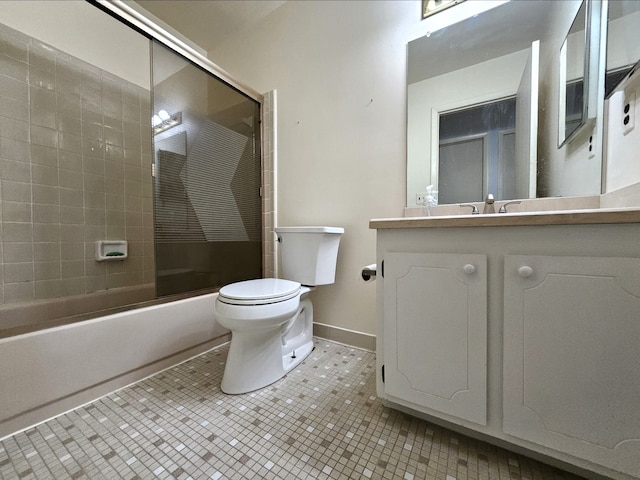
(162, 121)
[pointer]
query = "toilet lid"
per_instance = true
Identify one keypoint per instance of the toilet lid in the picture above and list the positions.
(259, 292)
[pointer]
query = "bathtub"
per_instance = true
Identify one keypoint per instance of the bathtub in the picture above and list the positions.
(48, 372)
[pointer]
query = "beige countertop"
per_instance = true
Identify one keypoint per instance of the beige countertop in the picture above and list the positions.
(559, 217)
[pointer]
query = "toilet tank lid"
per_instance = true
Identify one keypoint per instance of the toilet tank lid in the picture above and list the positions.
(303, 229)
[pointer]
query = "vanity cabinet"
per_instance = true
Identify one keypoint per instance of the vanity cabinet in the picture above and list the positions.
(572, 355)
(436, 332)
(528, 335)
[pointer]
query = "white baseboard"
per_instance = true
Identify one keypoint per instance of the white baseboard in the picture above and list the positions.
(362, 340)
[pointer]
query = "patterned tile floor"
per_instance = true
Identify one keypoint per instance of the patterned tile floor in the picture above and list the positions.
(322, 420)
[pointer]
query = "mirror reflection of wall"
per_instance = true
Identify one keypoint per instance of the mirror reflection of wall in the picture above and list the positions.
(623, 41)
(623, 51)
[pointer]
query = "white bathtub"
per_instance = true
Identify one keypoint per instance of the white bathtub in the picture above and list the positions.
(45, 373)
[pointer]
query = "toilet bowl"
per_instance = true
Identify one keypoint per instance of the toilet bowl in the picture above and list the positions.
(271, 319)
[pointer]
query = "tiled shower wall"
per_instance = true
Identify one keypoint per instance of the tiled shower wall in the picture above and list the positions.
(75, 167)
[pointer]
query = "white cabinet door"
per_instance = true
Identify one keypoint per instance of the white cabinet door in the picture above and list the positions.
(435, 327)
(572, 356)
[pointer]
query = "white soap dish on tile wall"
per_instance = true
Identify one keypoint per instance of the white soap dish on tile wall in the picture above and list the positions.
(111, 250)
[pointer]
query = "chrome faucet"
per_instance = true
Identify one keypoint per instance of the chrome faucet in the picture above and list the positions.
(489, 205)
(474, 209)
(503, 208)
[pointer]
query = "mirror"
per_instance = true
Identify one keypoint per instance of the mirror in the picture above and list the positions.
(622, 85)
(574, 54)
(623, 41)
(579, 62)
(483, 59)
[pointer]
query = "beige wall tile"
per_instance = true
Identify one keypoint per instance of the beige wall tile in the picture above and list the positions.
(47, 289)
(17, 232)
(46, 213)
(49, 251)
(15, 150)
(16, 211)
(72, 215)
(72, 268)
(46, 232)
(45, 271)
(45, 194)
(72, 251)
(17, 252)
(71, 197)
(92, 233)
(71, 234)
(14, 129)
(15, 191)
(15, 171)
(69, 161)
(72, 286)
(116, 232)
(18, 272)
(43, 175)
(71, 179)
(18, 292)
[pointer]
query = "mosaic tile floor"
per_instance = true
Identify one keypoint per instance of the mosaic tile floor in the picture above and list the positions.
(321, 421)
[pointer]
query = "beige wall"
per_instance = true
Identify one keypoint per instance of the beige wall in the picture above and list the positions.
(339, 68)
(340, 71)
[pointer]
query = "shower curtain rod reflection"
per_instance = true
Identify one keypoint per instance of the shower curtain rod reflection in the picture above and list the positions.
(127, 13)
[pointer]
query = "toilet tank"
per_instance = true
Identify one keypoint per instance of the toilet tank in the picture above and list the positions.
(309, 254)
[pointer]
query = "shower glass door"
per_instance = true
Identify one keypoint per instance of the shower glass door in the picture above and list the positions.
(207, 205)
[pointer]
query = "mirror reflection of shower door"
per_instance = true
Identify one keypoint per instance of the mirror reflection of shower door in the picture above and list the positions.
(475, 148)
(462, 171)
(508, 167)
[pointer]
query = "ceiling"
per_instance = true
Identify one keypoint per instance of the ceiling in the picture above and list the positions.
(209, 22)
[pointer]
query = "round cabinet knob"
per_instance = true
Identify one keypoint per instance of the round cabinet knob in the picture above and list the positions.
(468, 269)
(525, 271)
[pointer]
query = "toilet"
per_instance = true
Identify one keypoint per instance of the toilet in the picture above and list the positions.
(271, 319)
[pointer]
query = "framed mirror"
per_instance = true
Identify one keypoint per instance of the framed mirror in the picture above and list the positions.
(578, 67)
(489, 57)
(458, 124)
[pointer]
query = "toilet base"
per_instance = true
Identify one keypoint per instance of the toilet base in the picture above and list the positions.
(289, 361)
(257, 359)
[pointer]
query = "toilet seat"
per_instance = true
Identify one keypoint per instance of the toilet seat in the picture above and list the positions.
(262, 291)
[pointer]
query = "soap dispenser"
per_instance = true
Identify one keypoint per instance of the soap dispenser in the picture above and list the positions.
(431, 199)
